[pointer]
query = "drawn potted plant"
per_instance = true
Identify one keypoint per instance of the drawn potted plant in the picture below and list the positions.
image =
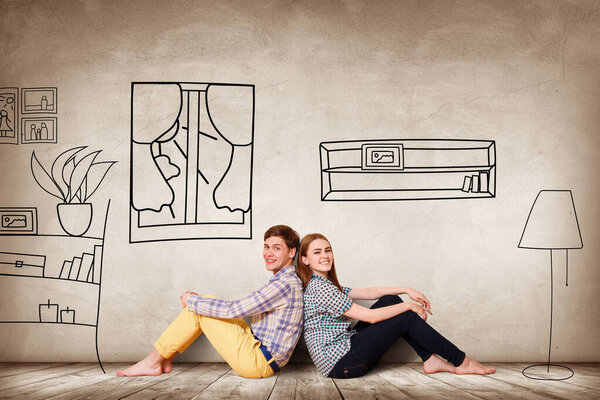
(73, 181)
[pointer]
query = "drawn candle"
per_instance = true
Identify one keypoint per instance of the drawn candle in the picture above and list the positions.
(48, 312)
(67, 316)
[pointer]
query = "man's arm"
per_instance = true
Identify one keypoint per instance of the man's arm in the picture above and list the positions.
(268, 298)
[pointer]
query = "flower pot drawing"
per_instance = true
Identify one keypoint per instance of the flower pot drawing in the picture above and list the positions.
(73, 178)
(75, 218)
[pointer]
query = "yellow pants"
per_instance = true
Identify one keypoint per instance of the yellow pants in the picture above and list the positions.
(232, 338)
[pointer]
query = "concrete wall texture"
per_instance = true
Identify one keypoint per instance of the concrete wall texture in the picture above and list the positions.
(523, 73)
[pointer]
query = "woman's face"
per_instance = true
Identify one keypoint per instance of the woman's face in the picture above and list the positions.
(319, 257)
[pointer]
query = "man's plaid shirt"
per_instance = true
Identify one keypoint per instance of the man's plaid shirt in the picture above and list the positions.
(276, 311)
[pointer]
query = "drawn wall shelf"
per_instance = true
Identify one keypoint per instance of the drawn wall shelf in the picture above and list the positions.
(407, 169)
(61, 276)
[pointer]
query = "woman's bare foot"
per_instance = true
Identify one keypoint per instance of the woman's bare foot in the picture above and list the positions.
(151, 365)
(167, 365)
(436, 364)
(470, 366)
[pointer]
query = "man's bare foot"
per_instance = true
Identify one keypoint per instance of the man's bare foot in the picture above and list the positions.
(470, 366)
(151, 365)
(436, 364)
(167, 365)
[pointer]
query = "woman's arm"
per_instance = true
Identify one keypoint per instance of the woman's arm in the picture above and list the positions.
(374, 293)
(374, 315)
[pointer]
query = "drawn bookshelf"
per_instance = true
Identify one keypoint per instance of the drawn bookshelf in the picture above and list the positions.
(61, 276)
(407, 169)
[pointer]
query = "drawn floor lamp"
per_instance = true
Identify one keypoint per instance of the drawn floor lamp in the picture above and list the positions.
(552, 225)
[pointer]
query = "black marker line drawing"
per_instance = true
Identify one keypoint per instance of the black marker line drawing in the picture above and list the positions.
(73, 178)
(39, 130)
(67, 316)
(18, 220)
(407, 169)
(73, 298)
(552, 225)
(41, 100)
(9, 111)
(48, 312)
(191, 161)
(18, 264)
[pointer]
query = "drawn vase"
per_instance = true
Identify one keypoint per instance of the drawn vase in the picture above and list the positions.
(75, 218)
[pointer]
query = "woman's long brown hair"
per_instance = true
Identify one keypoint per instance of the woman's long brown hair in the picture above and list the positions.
(304, 271)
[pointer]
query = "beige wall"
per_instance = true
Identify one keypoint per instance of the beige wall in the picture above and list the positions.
(525, 74)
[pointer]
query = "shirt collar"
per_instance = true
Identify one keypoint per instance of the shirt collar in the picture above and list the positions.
(285, 271)
(319, 277)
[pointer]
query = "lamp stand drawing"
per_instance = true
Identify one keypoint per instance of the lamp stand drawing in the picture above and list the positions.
(552, 225)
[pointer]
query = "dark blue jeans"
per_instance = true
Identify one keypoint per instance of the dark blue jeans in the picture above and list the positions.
(372, 340)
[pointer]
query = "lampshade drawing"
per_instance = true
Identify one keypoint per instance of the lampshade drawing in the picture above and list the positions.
(552, 222)
(552, 225)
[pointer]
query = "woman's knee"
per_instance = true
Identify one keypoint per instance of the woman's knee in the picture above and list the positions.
(389, 299)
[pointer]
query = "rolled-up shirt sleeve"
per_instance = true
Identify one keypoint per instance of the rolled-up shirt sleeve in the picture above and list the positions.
(332, 300)
(269, 297)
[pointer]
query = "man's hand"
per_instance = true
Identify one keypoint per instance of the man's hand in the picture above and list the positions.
(184, 297)
(419, 298)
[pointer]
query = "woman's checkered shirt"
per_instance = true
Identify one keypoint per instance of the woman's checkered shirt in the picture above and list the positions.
(326, 330)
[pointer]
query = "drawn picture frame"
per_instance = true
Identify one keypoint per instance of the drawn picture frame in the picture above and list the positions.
(18, 221)
(39, 130)
(9, 114)
(40, 100)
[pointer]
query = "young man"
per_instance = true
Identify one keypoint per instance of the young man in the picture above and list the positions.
(276, 310)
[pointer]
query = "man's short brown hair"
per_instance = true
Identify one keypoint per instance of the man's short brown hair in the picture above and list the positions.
(289, 236)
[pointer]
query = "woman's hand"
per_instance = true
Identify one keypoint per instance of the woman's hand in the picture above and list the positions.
(419, 298)
(184, 297)
(420, 310)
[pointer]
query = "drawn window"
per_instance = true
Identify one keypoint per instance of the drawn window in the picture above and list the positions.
(191, 161)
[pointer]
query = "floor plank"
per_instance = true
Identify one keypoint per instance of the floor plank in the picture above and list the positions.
(55, 370)
(37, 381)
(511, 373)
(185, 385)
(6, 365)
(485, 387)
(115, 387)
(370, 386)
(411, 379)
(233, 386)
(11, 369)
(303, 381)
(44, 389)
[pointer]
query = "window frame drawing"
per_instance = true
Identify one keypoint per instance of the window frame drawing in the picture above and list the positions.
(194, 104)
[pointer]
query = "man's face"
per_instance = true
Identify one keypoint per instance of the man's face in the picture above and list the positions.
(276, 254)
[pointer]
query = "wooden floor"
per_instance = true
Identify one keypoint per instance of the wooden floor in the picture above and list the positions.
(295, 381)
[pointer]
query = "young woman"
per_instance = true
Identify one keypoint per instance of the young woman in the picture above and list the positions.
(339, 352)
